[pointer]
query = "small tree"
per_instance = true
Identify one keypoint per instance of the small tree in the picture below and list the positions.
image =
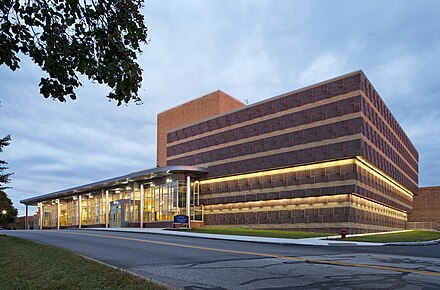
(4, 177)
(8, 213)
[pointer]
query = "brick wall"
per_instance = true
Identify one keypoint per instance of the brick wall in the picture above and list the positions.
(207, 106)
(426, 205)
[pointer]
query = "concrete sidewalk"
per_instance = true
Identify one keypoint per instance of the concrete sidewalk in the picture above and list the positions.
(321, 241)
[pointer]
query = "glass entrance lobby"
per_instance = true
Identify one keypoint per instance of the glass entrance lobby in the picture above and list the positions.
(149, 198)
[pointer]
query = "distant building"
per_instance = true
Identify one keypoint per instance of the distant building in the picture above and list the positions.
(20, 223)
(319, 158)
(426, 209)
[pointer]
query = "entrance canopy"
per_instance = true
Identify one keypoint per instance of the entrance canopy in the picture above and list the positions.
(139, 176)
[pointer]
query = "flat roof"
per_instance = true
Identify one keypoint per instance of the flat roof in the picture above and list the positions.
(143, 175)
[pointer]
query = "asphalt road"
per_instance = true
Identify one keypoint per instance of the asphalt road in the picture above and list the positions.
(194, 263)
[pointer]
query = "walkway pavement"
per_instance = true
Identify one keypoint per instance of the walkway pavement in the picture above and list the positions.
(322, 241)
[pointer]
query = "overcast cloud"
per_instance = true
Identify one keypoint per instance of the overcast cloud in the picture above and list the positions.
(252, 50)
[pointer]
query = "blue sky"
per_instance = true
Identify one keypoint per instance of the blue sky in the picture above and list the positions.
(250, 49)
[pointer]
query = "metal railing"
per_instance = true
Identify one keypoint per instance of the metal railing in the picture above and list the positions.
(197, 213)
(422, 226)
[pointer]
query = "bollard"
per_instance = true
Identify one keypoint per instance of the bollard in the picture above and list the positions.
(343, 233)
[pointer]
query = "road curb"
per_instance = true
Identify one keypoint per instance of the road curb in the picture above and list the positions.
(203, 237)
(329, 241)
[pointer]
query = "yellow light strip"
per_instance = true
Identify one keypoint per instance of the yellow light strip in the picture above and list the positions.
(382, 175)
(360, 161)
(307, 186)
(281, 171)
(315, 202)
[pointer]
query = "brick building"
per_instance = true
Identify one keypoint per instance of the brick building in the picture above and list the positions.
(323, 157)
(426, 207)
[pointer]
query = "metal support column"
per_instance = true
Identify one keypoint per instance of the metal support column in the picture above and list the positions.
(26, 219)
(188, 199)
(133, 203)
(141, 209)
(106, 209)
(79, 210)
(41, 216)
(101, 219)
(58, 213)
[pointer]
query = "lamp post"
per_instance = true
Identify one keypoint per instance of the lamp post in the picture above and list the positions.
(4, 212)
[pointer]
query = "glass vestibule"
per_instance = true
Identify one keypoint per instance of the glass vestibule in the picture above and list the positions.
(162, 201)
(129, 199)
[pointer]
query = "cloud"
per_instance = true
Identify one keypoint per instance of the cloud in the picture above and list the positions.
(323, 67)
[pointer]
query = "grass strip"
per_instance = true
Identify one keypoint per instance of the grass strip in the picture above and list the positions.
(411, 236)
(28, 265)
(260, 233)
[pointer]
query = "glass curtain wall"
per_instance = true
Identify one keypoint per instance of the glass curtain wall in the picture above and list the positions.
(93, 209)
(50, 217)
(72, 212)
(163, 201)
(63, 213)
(158, 202)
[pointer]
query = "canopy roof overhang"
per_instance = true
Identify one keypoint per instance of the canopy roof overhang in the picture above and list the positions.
(139, 176)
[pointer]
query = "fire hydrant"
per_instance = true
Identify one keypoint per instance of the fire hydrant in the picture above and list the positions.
(343, 233)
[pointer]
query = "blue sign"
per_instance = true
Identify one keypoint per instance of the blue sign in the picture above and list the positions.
(181, 219)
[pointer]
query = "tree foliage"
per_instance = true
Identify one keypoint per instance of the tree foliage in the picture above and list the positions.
(4, 177)
(8, 212)
(96, 38)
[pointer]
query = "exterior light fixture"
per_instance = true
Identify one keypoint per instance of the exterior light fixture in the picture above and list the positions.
(168, 180)
(4, 212)
(128, 188)
(151, 184)
(117, 191)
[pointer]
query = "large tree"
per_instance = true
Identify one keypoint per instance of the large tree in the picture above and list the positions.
(96, 38)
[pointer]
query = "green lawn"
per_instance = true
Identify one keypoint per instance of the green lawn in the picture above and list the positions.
(260, 233)
(28, 265)
(412, 236)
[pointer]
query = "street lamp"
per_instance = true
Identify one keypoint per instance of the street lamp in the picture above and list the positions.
(4, 212)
